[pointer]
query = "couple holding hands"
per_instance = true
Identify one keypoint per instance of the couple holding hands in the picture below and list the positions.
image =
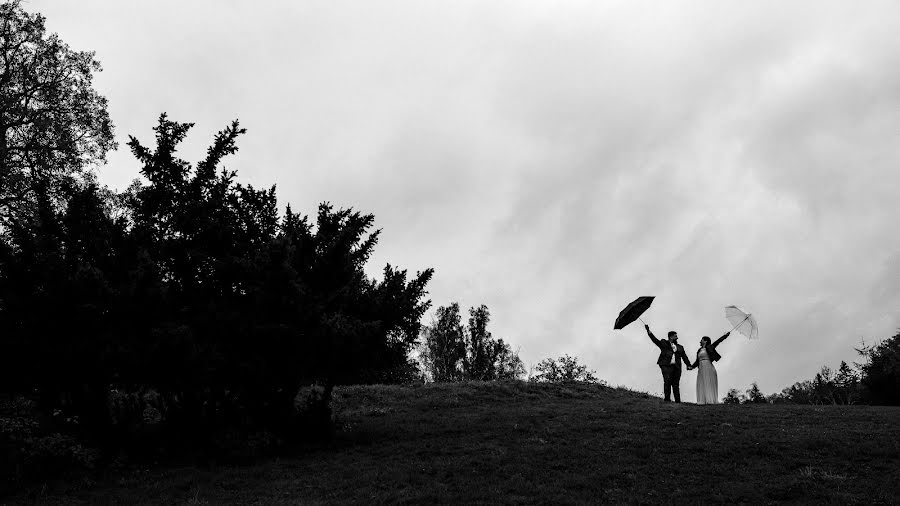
(672, 354)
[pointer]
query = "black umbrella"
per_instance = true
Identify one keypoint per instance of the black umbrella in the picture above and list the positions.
(633, 311)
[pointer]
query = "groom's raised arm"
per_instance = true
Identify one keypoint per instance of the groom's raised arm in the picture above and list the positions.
(652, 337)
(719, 340)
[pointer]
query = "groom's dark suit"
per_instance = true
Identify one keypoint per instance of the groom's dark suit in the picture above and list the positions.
(671, 372)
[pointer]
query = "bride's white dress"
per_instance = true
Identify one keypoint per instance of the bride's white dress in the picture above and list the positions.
(707, 380)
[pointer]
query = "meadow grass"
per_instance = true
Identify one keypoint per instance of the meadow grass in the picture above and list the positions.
(527, 443)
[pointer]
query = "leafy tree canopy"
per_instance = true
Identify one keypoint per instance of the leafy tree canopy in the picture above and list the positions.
(564, 369)
(53, 124)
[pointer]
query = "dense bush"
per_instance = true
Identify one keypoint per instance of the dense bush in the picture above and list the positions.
(733, 396)
(30, 450)
(562, 370)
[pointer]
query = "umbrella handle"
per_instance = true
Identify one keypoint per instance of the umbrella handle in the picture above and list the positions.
(642, 321)
(739, 324)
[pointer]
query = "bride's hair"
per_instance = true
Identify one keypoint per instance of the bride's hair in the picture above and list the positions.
(705, 339)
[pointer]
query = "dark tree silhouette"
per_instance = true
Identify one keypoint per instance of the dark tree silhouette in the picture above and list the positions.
(826, 387)
(508, 365)
(880, 376)
(64, 278)
(445, 345)
(562, 370)
(733, 397)
(847, 384)
(754, 395)
(53, 124)
(190, 285)
(264, 306)
(454, 352)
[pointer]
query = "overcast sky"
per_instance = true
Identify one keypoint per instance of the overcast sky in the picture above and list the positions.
(554, 160)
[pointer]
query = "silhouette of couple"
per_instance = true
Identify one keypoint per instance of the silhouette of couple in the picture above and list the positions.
(671, 354)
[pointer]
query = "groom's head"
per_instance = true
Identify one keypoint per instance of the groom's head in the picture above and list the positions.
(673, 336)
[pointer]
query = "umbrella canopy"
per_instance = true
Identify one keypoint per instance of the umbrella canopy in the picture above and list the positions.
(743, 322)
(632, 311)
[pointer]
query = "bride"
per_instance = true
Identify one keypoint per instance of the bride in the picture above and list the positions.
(707, 379)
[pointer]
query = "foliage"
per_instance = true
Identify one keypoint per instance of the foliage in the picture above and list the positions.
(733, 396)
(445, 345)
(30, 452)
(754, 395)
(826, 387)
(191, 286)
(508, 366)
(452, 351)
(880, 377)
(874, 381)
(53, 124)
(481, 349)
(564, 369)
(846, 385)
(801, 392)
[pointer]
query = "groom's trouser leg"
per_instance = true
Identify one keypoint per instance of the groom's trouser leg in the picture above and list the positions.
(676, 383)
(667, 381)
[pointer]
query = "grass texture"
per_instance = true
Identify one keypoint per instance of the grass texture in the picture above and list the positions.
(521, 443)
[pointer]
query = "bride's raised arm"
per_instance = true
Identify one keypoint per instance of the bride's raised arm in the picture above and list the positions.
(719, 340)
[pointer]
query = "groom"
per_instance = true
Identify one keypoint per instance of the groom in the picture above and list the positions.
(670, 356)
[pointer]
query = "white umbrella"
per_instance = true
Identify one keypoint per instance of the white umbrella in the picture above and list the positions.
(743, 322)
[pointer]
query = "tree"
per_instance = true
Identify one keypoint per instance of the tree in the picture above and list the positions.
(777, 398)
(509, 365)
(754, 395)
(847, 383)
(64, 278)
(733, 397)
(880, 374)
(445, 345)
(563, 370)
(482, 351)
(825, 387)
(875, 380)
(191, 285)
(53, 124)
(452, 351)
(801, 392)
(232, 269)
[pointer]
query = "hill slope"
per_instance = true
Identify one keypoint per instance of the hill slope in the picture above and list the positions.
(527, 443)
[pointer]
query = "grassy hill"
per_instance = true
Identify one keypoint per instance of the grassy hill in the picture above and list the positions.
(528, 443)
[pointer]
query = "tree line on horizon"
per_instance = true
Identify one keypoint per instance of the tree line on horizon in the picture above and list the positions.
(452, 351)
(874, 380)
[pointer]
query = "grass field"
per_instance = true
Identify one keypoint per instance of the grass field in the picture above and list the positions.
(560, 444)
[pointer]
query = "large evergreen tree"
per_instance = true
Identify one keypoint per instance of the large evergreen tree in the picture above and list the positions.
(192, 285)
(264, 305)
